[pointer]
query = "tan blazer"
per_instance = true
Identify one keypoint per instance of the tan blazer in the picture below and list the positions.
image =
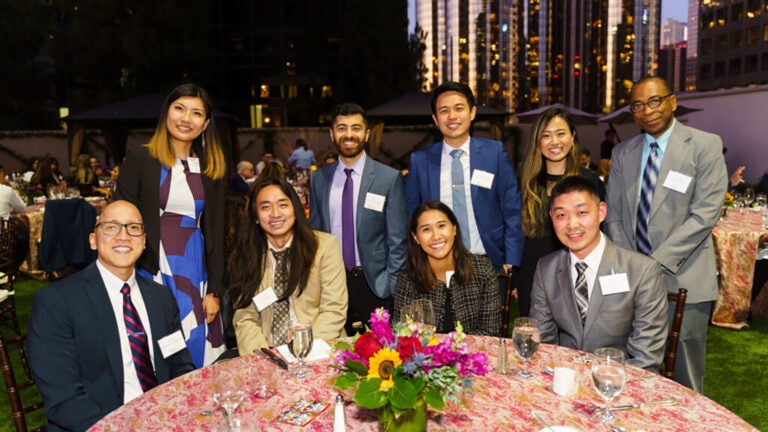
(323, 302)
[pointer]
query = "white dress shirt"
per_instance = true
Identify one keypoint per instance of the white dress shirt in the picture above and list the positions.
(446, 192)
(593, 263)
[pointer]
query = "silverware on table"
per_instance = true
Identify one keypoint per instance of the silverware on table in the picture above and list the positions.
(668, 401)
(541, 420)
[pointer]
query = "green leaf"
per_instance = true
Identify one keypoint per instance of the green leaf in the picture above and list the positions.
(434, 399)
(403, 395)
(342, 345)
(357, 367)
(346, 380)
(368, 394)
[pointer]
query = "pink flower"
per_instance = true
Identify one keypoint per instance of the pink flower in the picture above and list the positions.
(380, 326)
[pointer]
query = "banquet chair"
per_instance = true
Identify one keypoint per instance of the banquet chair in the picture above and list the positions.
(64, 247)
(670, 354)
(9, 269)
(506, 304)
(16, 389)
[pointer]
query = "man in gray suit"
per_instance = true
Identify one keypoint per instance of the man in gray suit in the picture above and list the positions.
(665, 193)
(594, 294)
(362, 202)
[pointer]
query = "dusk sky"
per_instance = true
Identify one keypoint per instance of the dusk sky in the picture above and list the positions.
(676, 9)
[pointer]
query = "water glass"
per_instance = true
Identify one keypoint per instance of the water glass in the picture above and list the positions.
(227, 392)
(526, 339)
(761, 201)
(608, 377)
(301, 345)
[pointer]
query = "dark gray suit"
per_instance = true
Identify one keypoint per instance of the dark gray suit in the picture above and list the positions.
(634, 322)
(74, 347)
(680, 228)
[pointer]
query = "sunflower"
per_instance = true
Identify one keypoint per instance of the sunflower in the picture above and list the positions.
(382, 365)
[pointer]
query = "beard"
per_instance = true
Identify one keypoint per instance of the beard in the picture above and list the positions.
(350, 152)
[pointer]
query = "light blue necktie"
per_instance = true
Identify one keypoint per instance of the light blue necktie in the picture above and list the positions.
(459, 196)
(650, 175)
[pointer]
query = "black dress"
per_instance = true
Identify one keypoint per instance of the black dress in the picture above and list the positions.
(543, 244)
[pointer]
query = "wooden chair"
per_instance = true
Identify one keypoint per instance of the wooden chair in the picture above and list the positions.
(670, 354)
(507, 302)
(14, 387)
(9, 269)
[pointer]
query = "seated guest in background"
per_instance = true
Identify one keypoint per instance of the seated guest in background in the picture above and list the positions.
(737, 182)
(460, 285)
(296, 273)
(331, 158)
(272, 170)
(239, 183)
(47, 175)
(603, 170)
(266, 158)
(105, 335)
(586, 162)
(27, 176)
(84, 179)
(9, 199)
(594, 293)
(301, 157)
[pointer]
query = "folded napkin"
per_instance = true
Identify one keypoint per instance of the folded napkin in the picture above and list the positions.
(4, 294)
(320, 351)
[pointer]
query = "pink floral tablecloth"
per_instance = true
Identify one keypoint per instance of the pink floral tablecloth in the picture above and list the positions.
(737, 239)
(499, 402)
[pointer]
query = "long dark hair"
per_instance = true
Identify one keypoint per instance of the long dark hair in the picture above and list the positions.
(417, 264)
(250, 248)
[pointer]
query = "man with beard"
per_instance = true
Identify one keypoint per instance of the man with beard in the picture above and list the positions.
(362, 202)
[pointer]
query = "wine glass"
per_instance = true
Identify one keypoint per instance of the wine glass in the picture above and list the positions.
(761, 200)
(427, 316)
(526, 338)
(301, 345)
(608, 377)
(749, 197)
(227, 392)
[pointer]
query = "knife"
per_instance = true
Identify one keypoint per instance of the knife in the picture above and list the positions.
(669, 401)
(275, 358)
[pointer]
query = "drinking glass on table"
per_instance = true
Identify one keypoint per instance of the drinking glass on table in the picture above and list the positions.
(227, 392)
(301, 344)
(749, 197)
(761, 200)
(526, 339)
(429, 325)
(608, 377)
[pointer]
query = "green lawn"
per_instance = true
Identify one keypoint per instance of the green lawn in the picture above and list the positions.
(736, 375)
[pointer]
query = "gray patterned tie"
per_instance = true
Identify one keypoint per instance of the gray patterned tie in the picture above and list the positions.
(650, 175)
(280, 315)
(582, 295)
(459, 195)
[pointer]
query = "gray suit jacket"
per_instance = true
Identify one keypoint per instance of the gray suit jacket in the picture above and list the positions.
(74, 347)
(680, 225)
(634, 322)
(381, 235)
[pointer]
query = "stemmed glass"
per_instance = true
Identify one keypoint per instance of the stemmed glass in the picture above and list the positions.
(608, 377)
(749, 197)
(761, 200)
(301, 345)
(427, 316)
(421, 314)
(526, 338)
(227, 392)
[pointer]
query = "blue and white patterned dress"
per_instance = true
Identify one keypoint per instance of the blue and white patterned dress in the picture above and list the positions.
(182, 259)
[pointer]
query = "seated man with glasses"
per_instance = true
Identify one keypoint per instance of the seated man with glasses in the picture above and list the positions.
(104, 335)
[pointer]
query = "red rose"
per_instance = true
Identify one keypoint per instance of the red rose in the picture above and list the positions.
(367, 345)
(406, 346)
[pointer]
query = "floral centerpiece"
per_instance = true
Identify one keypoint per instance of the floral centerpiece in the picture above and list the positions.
(28, 192)
(729, 200)
(398, 370)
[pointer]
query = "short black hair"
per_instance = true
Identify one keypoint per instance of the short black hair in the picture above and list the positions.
(453, 86)
(348, 109)
(585, 151)
(574, 183)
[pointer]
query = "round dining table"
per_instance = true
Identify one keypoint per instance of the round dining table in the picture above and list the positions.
(499, 402)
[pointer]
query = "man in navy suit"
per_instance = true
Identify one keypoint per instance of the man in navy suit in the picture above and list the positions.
(491, 196)
(79, 347)
(375, 250)
(239, 183)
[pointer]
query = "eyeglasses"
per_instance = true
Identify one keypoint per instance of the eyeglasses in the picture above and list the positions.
(111, 229)
(652, 103)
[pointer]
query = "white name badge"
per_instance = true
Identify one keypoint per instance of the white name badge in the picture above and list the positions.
(264, 299)
(677, 181)
(482, 178)
(172, 344)
(375, 202)
(194, 165)
(614, 283)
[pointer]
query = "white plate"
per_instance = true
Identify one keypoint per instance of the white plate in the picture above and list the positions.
(559, 429)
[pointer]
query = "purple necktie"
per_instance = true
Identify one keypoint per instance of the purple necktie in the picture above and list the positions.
(137, 338)
(348, 222)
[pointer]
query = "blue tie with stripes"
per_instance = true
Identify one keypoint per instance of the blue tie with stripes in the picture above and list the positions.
(137, 338)
(646, 199)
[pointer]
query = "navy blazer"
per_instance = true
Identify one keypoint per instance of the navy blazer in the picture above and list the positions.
(74, 347)
(381, 235)
(497, 210)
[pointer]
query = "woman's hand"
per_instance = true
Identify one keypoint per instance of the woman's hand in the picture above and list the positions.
(210, 307)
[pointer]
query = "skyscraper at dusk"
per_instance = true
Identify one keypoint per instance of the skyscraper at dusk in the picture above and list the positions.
(581, 53)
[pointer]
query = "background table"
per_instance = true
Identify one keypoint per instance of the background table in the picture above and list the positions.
(737, 239)
(500, 402)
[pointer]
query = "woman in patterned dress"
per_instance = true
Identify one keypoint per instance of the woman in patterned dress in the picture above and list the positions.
(176, 181)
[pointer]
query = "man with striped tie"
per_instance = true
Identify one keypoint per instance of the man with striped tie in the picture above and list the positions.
(665, 195)
(105, 335)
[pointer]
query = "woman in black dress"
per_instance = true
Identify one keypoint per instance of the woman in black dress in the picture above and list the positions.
(552, 154)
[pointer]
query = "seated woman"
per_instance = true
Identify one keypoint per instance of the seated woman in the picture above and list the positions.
(276, 254)
(461, 286)
(83, 178)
